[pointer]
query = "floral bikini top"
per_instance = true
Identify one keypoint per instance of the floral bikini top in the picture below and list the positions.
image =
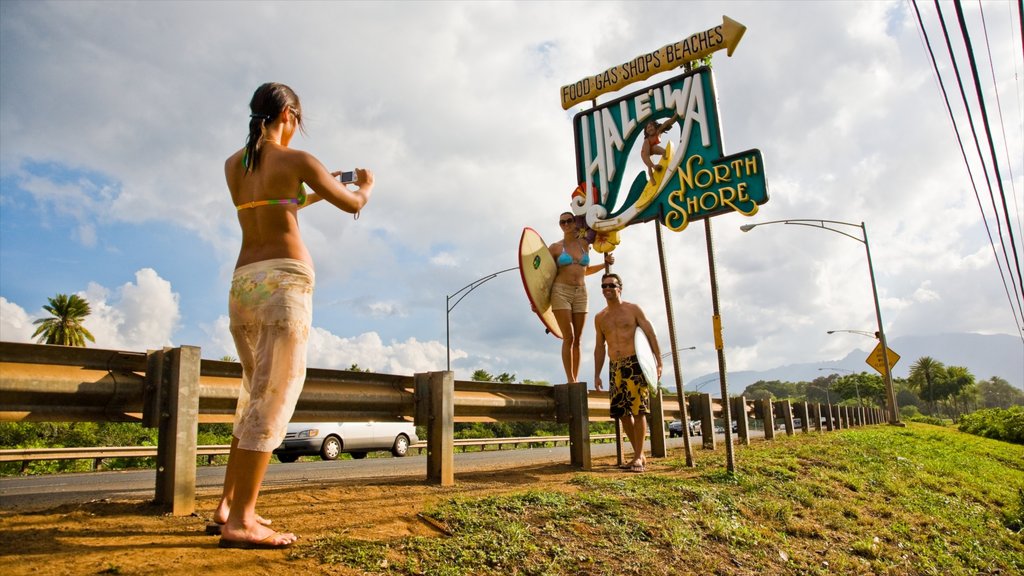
(299, 200)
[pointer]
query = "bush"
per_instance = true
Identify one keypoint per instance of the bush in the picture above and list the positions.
(996, 423)
(929, 420)
(909, 412)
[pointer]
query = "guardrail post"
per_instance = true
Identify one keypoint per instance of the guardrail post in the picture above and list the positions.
(768, 415)
(579, 424)
(816, 409)
(707, 421)
(739, 411)
(787, 415)
(179, 429)
(657, 423)
(805, 416)
(441, 429)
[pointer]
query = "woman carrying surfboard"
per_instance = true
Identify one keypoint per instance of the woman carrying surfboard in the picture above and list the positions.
(270, 304)
(569, 289)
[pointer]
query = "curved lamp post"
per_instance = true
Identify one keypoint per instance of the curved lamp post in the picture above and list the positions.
(861, 332)
(856, 386)
(708, 380)
(667, 354)
(464, 291)
(894, 414)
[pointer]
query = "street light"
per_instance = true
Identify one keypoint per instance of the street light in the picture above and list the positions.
(449, 306)
(861, 332)
(708, 380)
(667, 354)
(855, 385)
(894, 414)
(826, 389)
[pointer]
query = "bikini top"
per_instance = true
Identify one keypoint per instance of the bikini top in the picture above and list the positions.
(564, 259)
(299, 200)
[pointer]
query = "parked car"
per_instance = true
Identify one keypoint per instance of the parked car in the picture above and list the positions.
(332, 439)
(675, 428)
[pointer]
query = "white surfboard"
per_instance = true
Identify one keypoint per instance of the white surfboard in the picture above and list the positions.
(644, 354)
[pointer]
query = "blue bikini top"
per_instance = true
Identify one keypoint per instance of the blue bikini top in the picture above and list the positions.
(564, 259)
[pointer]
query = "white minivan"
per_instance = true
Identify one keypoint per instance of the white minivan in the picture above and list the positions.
(331, 439)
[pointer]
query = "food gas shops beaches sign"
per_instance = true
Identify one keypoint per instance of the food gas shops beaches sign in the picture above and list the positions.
(726, 35)
(691, 181)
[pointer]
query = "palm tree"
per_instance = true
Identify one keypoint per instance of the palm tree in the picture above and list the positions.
(925, 375)
(959, 385)
(65, 328)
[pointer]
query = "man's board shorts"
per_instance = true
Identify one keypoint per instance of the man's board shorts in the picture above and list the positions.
(569, 297)
(628, 388)
(271, 309)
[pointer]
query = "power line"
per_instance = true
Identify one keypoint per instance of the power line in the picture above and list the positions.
(967, 165)
(991, 144)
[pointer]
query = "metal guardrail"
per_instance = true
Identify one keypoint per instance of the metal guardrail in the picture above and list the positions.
(104, 452)
(174, 389)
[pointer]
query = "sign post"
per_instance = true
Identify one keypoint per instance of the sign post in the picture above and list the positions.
(686, 179)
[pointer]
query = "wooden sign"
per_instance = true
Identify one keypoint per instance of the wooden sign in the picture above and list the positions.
(726, 35)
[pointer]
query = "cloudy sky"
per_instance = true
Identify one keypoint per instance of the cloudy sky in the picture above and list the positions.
(116, 117)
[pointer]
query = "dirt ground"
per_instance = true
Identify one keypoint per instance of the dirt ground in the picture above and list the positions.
(135, 537)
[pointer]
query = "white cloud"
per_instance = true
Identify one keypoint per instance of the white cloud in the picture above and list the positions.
(15, 324)
(140, 316)
(136, 317)
(327, 350)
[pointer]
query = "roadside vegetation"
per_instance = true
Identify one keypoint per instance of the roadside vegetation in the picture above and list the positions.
(996, 423)
(882, 500)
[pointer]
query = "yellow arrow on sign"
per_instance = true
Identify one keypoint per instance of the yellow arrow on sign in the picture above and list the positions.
(877, 361)
(727, 35)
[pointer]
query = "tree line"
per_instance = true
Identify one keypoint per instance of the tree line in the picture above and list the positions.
(932, 389)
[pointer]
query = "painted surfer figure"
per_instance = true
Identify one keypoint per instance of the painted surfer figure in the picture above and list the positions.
(569, 289)
(629, 390)
(652, 144)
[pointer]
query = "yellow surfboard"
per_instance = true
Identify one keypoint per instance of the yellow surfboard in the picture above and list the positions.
(538, 269)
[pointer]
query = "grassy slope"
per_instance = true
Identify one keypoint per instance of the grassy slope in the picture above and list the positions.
(916, 500)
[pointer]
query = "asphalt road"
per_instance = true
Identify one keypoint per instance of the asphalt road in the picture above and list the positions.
(23, 493)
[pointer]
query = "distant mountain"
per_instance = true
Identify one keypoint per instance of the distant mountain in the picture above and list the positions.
(985, 355)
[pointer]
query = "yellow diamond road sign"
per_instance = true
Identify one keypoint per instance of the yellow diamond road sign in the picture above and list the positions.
(877, 361)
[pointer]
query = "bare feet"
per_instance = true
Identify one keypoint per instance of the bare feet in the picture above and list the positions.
(221, 517)
(257, 536)
(216, 527)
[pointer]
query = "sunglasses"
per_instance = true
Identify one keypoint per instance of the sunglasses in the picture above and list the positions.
(609, 286)
(565, 221)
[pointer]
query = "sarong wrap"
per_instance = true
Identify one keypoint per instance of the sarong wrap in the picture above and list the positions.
(270, 307)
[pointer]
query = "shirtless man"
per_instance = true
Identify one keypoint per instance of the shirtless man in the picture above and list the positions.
(630, 395)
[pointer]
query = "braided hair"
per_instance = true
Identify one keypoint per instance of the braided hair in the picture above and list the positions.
(267, 103)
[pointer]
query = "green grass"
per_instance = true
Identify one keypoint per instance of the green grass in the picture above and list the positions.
(881, 500)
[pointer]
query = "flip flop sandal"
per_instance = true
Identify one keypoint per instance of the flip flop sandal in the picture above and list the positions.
(264, 544)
